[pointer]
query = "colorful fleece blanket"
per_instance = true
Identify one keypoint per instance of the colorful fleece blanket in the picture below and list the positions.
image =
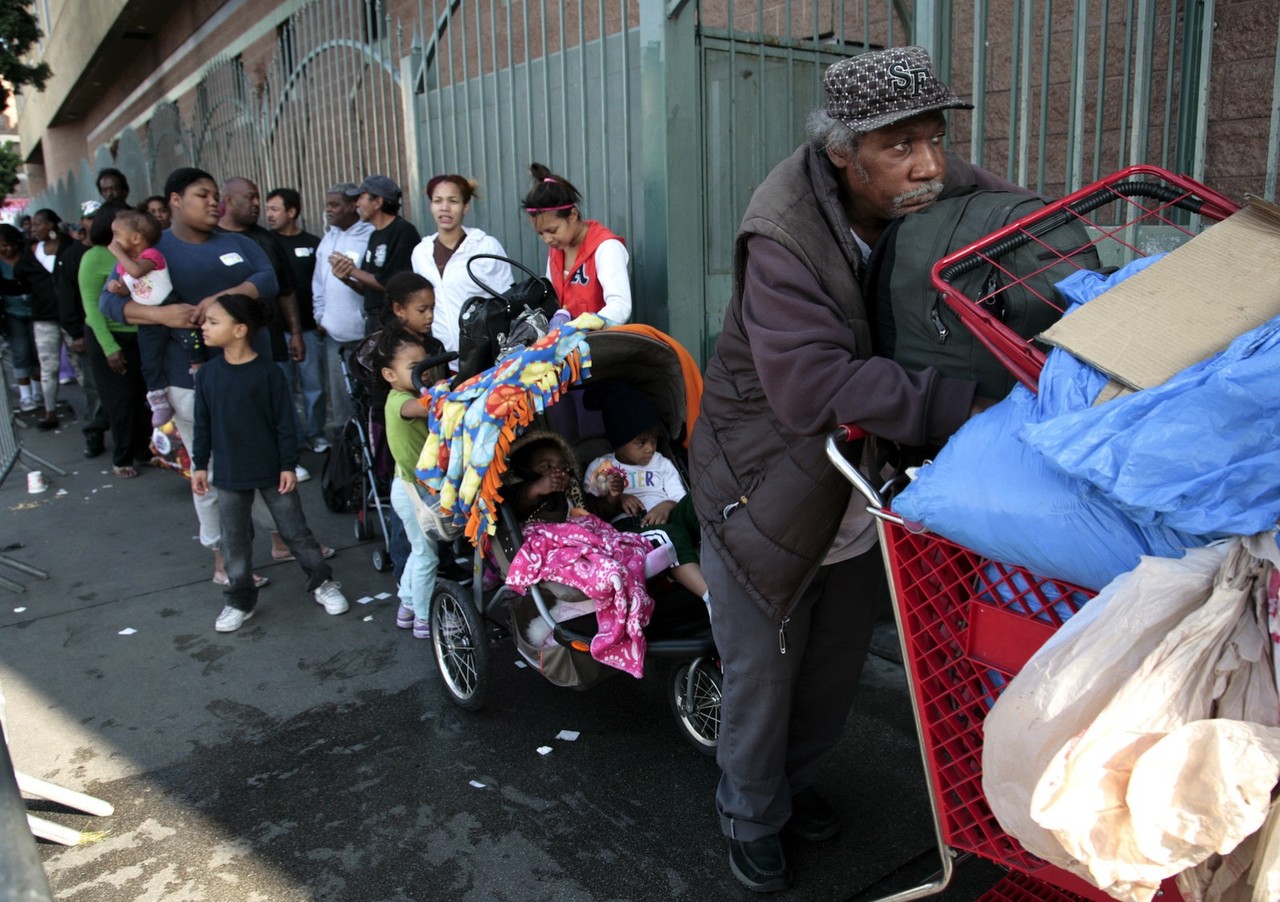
(607, 566)
(471, 428)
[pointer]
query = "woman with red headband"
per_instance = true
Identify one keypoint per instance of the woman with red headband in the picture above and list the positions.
(442, 257)
(586, 263)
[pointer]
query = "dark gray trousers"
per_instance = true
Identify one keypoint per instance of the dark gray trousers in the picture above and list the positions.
(235, 513)
(782, 713)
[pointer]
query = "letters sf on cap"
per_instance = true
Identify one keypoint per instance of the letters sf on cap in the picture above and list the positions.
(876, 89)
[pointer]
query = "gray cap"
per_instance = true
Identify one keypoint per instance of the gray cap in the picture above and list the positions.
(345, 188)
(378, 186)
(876, 89)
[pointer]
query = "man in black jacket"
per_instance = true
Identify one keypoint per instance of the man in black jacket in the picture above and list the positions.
(792, 565)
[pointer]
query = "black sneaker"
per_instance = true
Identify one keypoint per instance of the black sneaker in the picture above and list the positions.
(760, 865)
(812, 818)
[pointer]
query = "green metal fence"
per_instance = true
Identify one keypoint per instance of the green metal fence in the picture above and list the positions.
(668, 113)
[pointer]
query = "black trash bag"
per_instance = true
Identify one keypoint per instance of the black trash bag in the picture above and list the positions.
(486, 322)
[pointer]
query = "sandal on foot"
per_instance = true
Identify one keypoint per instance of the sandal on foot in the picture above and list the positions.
(258, 581)
(325, 552)
(125, 472)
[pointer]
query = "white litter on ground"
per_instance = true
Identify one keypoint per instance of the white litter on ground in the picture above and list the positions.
(364, 600)
(568, 735)
(18, 610)
(367, 619)
(128, 631)
(521, 664)
(59, 493)
(382, 596)
(476, 783)
(544, 750)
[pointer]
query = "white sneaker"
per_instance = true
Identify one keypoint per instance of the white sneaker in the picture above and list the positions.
(303, 473)
(330, 595)
(231, 619)
(320, 446)
(29, 404)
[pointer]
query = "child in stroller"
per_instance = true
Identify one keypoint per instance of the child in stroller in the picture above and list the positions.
(495, 419)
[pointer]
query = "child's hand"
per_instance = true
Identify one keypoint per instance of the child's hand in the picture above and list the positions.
(660, 514)
(115, 286)
(288, 481)
(200, 482)
(632, 506)
(553, 482)
(616, 483)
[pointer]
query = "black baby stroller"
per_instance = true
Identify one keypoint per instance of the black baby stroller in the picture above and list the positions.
(465, 620)
(358, 468)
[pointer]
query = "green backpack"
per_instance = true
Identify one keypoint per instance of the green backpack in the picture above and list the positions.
(914, 325)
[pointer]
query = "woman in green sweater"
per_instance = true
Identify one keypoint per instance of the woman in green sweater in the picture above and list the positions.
(112, 349)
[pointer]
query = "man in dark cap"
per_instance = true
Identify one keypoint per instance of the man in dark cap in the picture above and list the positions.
(390, 247)
(791, 564)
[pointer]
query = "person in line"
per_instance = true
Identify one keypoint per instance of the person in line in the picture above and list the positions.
(338, 305)
(284, 208)
(156, 206)
(791, 564)
(244, 414)
(586, 263)
(46, 319)
(390, 248)
(410, 308)
(112, 349)
(655, 498)
(16, 267)
(396, 353)
(204, 263)
(112, 185)
(142, 274)
(443, 256)
(71, 311)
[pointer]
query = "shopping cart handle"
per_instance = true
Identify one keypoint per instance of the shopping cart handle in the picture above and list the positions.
(852, 433)
(842, 435)
(423, 366)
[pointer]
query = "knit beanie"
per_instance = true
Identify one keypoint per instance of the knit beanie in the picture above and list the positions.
(627, 411)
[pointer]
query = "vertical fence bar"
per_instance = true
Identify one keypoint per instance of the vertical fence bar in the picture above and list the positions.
(733, 104)
(1074, 170)
(1024, 92)
(1202, 95)
(1138, 138)
(759, 83)
(546, 94)
(582, 88)
(605, 168)
(1126, 87)
(447, 30)
(528, 83)
(564, 96)
(1168, 83)
(1104, 23)
(1273, 137)
(625, 13)
(1043, 142)
(497, 96)
(466, 84)
(978, 140)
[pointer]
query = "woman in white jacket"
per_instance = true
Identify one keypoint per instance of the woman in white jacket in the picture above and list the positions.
(442, 258)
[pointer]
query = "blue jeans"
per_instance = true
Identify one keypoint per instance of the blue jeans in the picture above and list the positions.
(418, 583)
(235, 508)
(311, 378)
(22, 345)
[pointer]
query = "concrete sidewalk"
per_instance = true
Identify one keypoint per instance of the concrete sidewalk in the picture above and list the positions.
(316, 757)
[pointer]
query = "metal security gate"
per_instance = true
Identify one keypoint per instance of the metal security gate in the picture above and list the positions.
(499, 86)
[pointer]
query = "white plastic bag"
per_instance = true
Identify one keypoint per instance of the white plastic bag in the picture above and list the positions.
(1065, 685)
(1118, 818)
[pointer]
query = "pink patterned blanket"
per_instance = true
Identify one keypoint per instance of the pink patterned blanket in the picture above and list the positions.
(604, 564)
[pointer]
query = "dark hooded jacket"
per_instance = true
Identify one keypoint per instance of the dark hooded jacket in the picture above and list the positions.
(795, 360)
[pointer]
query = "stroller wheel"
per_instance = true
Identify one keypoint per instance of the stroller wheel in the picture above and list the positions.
(460, 645)
(694, 693)
(382, 560)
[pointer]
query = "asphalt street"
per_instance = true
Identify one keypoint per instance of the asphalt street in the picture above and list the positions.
(315, 757)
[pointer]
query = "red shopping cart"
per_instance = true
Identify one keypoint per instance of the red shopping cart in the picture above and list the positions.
(967, 624)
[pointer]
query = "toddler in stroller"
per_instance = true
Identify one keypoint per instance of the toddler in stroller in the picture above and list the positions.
(481, 459)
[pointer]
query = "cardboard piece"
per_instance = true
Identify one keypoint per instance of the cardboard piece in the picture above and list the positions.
(1184, 308)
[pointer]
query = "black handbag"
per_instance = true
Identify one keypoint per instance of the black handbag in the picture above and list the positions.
(486, 321)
